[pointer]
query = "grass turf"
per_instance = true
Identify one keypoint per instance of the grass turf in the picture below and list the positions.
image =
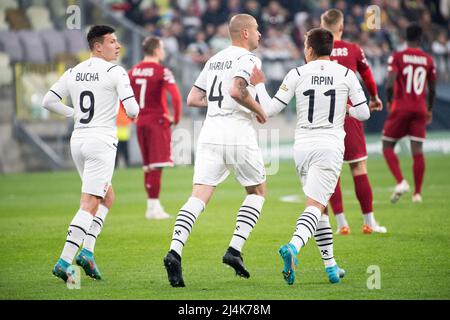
(413, 257)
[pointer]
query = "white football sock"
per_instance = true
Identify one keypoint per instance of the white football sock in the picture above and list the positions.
(184, 223)
(306, 227)
(246, 220)
(153, 204)
(369, 219)
(324, 241)
(75, 234)
(341, 221)
(96, 228)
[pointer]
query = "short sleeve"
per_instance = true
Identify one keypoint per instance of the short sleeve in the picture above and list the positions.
(201, 81)
(122, 83)
(245, 65)
(287, 88)
(356, 92)
(60, 88)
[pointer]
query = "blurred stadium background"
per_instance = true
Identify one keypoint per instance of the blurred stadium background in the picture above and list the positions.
(39, 39)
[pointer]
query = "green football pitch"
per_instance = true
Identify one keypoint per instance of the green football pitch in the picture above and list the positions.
(413, 258)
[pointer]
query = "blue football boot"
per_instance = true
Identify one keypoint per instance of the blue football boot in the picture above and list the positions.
(60, 269)
(289, 254)
(334, 273)
(85, 259)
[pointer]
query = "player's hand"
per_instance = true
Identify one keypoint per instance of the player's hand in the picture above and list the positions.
(261, 117)
(347, 107)
(257, 76)
(169, 118)
(375, 104)
(429, 117)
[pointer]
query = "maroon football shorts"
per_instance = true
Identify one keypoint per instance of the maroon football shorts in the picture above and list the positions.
(154, 137)
(401, 123)
(355, 142)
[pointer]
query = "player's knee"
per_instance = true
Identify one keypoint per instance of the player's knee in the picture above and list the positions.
(109, 198)
(416, 147)
(388, 145)
(89, 203)
(259, 190)
(358, 168)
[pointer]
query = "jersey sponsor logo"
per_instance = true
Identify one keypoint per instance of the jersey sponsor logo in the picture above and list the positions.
(220, 65)
(339, 52)
(322, 80)
(414, 59)
(88, 76)
(145, 72)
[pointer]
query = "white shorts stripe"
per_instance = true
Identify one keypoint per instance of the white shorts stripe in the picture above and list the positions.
(356, 160)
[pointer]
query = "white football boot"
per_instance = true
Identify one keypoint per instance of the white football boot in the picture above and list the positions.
(375, 228)
(155, 211)
(417, 198)
(400, 189)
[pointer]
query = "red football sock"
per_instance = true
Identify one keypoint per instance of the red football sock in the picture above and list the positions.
(363, 192)
(393, 163)
(336, 199)
(419, 171)
(153, 183)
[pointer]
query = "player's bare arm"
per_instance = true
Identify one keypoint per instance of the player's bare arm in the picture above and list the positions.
(431, 95)
(375, 103)
(239, 92)
(271, 106)
(197, 98)
(390, 89)
(257, 76)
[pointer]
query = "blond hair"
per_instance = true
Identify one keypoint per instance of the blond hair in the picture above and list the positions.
(331, 18)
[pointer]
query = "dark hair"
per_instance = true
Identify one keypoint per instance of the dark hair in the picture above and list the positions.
(150, 44)
(320, 40)
(96, 34)
(413, 32)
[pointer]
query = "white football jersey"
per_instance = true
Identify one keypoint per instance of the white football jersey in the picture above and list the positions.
(227, 122)
(95, 87)
(322, 89)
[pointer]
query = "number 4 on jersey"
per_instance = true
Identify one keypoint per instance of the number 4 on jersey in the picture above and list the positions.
(212, 97)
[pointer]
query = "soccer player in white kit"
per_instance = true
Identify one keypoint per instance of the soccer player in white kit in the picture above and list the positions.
(227, 141)
(321, 88)
(95, 87)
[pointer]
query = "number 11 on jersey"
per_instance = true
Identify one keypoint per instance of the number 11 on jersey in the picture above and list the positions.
(311, 94)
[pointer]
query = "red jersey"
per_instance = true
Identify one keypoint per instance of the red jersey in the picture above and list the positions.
(350, 55)
(150, 81)
(414, 68)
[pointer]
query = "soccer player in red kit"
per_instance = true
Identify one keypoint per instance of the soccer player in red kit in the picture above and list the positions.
(351, 56)
(150, 81)
(409, 110)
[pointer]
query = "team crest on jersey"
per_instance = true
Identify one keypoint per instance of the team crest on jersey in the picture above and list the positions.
(284, 87)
